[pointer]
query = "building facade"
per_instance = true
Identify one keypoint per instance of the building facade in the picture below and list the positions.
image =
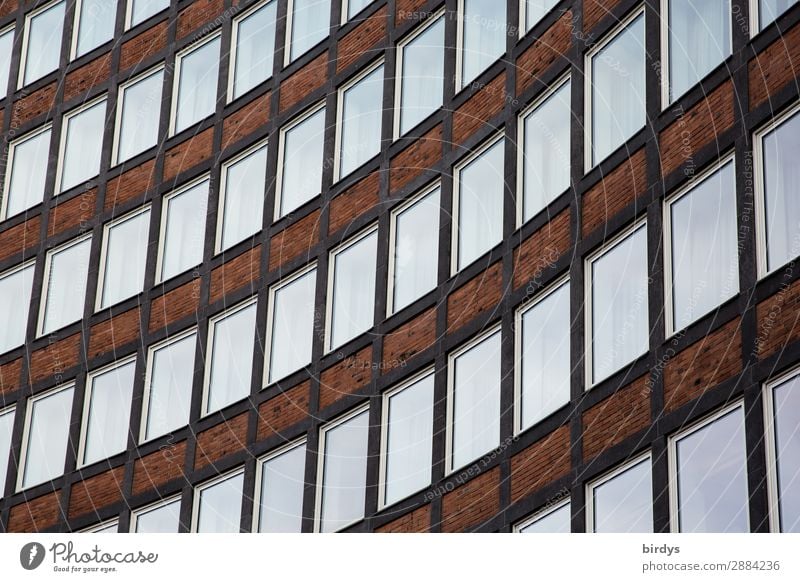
(402, 265)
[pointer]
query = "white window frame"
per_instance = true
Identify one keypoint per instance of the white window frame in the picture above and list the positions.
(136, 513)
(541, 514)
(761, 192)
(346, 8)
(610, 476)
(76, 30)
(398, 83)
(460, 15)
(45, 292)
(428, 372)
(395, 212)
(287, 50)
(209, 354)
(12, 148)
(12, 410)
(588, 105)
(62, 143)
(148, 377)
(87, 402)
(605, 247)
(450, 415)
(273, 290)
(176, 81)
(99, 527)
(9, 273)
(672, 458)
(229, 98)
(198, 489)
(25, 37)
(120, 105)
(323, 432)
(129, 14)
(260, 462)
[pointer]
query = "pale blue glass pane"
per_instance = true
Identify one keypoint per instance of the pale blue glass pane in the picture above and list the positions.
(535, 10)
(769, 10)
(15, 300)
(362, 109)
(355, 6)
(282, 486)
(126, 255)
(624, 504)
(96, 24)
(141, 110)
(47, 439)
(164, 519)
(255, 47)
(557, 521)
(44, 43)
(292, 326)
(109, 413)
(310, 22)
(354, 290)
(220, 509)
(232, 358)
(6, 429)
(170, 387)
(6, 47)
(422, 87)
(28, 173)
(786, 408)
(484, 36)
(197, 86)
(183, 236)
(83, 146)
(66, 288)
(141, 10)
(245, 184)
(302, 162)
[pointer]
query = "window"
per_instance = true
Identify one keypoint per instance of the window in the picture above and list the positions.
(420, 72)
(414, 243)
(81, 144)
(698, 38)
(532, 11)
(300, 161)
(15, 299)
(244, 181)
(162, 517)
(616, 92)
(343, 472)
(764, 12)
(65, 272)
(195, 92)
(308, 24)
(124, 255)
(479, 185)
(231, 338)
(290, 324)
(543, 350)
(279, 498)
(218, 504)
(105, 527)
(555, 519)
(168, 385)
(141, 10)
(44, 442)
(544, 159)
(473, 403)
(253, 42)
(358, 136)
(6, 432)
(183, 225)
(617, 315)
(708, 465)
(482, 31)
(622, 502)
(782, 404)
(703, 261)
(41, 43)
(25, 180)
(6, 48)
(107, 411)
(352, 7)
(94, 23)
(351, 288)
(777, 148)
(138, 114)
(407, 439)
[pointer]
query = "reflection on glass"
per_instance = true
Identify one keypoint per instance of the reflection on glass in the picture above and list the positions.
(255, 39)
(353, 289)
(66, 285)
(624, 503)
(786, 419)
(162, 519)
(292, 326)
(197, 84)
(43, 43)
(15, 299)
(140, 113)
(551, 521)
(362, 109)
(301, 177)
(310, 23)
(231, 358)
(220, 506)
(282, 486)
(47, 437)
(110, 396)
(170, 386)
(484, 40)
(422, 83)
(126, 256)
(184, 230)
(28, 171)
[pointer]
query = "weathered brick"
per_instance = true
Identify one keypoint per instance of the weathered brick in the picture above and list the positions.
(778, 324)
(417, 521)
(127, 186)
(19, 238)
(353, 202)
(346, 377)
(246, 120)
(624, 413)
(471, 504)
(614, 192)
(35, 515)
(97, 492)
(10, 376)
(486, 103)
(221, 440)
(363, 39)
(175, 305)
(421, 155)
(158, 468)
(80, 81)
(478, 295)
(198, 13)
(34, 105)
(284, 410)
(774, 67)
(294, 240)
(235, 274)
(541, 463)
(114, 333)
(143, 46)
(541, 250)
(188, 154)
(411, 338)
(54, 359)
(304, 82)
(76, 211)
(551, 46)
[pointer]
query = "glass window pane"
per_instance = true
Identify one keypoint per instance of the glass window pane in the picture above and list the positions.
(141, 10)
(255, 43)
(183, 234)
(409, 440)
(15, 300)
(109, 413)
(43, 43)
(6, 48)
(705, 262)
(231, 358)
(29, 158)
(66, 286)
(353, 293)
(95, 25)
(780, 152)
(545, 367)
(484, 39)
(535, 10)
(126, 255)
(712, 478)
(769, 10)
(170, 386)
(83, 145)
(618, 94)
(344, 473)
(786, 411)
(197, 86)
(245, 184)
(355, 6)
(141, 111)
(416, 256)
(301, 176)
(282, 485)
(163, 519)
(476, 401)
(624, 503)
(111, 527)
(699, 40)
(292, 326)
(546, 142)
(422, 88)
(362, 109)
(6, 430)
(619, 305)
(481, 187)
(220, 506)
(556, 521)
(48, 434)
(310, 22)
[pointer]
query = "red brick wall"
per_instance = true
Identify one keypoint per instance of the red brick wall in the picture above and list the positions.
(473, 503)
(478, 295)
(283, 411)
(114, 333)
(294, 240)
(303, 82)
(175, 305)
(19, 238)
(541, 250)
(197, 14)
(407, 10)
(55, 358)
(10, 376)
(416, 158)
(34, 105)
(35, 515)
(540, 56)
(408, 340)
(361, 40)
(188, 154)
(541, 463)
(246, 120)
(353, 202)
(619, 416)
(487, 102)
(80, 81)
(143, 46)
(346, 377)
(417, 521)
(159, 468)
(778, 320)
(96, 492)
(614, 192)
(221, 440)
(134, 182)
(235, 274)
(595, 10)
(72, 213)
(775, 67)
